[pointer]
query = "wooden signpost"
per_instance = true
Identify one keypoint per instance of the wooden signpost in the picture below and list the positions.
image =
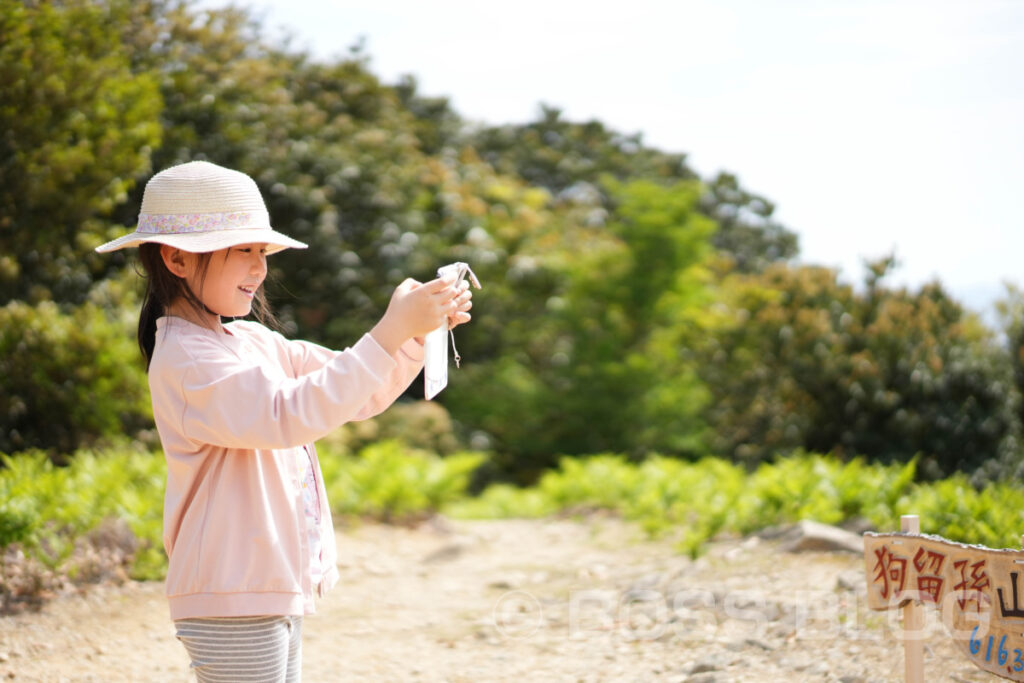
(978, 591)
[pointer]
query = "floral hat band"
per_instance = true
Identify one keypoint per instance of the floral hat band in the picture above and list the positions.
(201, 207)
(170, 223)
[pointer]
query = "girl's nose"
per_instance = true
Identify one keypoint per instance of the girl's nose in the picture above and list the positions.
(259, 263)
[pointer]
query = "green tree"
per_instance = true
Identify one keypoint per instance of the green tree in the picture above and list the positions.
(68, 380)
(335, 153)
(570, 159)
(1010, 315)
(633, 309)
(557, 154)
(594, 355)
(437, 125)
(747, 231)
(807, 362)
(1010, 311)
(77, 129)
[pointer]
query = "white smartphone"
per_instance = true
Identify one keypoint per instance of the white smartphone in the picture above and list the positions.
(435, 346)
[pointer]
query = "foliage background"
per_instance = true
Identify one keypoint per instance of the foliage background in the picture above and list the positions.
(631, 308)
(629, 305)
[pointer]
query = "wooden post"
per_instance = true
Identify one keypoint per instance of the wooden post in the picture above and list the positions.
(913, 620)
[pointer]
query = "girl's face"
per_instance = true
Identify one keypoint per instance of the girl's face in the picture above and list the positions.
(230, 281)
(232, 278)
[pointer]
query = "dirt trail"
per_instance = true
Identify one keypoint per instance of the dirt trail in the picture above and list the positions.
(550, 600)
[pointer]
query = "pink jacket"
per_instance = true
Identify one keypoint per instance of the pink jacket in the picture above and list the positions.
(235, 413)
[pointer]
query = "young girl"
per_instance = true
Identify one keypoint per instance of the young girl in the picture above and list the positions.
(247, 527)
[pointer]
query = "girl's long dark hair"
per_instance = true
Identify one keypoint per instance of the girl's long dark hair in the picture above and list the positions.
(164, 288)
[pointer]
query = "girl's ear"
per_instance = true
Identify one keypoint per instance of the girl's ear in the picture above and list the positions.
(176, 260)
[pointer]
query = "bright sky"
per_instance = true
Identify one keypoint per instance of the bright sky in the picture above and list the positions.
(874, 125)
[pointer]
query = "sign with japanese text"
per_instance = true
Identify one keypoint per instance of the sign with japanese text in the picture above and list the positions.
(979, 592)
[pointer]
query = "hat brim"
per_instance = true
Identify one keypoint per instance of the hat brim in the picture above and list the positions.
(201, 242)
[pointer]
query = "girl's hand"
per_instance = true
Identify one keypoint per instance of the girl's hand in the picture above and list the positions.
(462, 302)
(416, 309)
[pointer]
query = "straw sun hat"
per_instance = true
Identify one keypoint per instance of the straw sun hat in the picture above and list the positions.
(201, 207)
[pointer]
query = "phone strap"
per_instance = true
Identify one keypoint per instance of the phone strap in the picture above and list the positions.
(455, 351)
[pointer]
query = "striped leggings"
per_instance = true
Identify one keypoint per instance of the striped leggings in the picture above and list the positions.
(263, 649)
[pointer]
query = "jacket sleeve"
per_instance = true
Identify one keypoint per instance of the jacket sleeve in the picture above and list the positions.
(307, 357)
(238, 403)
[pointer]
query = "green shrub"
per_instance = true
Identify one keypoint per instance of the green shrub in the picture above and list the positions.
(802, 360)
(101, 515)
(421, 425)
(68, 380)
(991, 516)
(503, 501)
(104, 511)
(392, 482)
(825, 489)
(692, 502)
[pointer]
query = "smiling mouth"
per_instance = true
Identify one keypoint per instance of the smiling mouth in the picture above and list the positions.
(249, 291)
